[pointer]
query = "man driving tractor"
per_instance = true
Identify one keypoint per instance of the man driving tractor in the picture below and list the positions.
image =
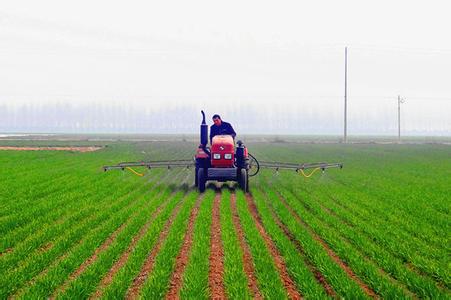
(220, 128)
(223, 161)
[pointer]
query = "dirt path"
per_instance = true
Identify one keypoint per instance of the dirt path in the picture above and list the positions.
(248, 262)
(183, 257)
(78, 149)
(216, 274)
(330, 252)
(280, 264)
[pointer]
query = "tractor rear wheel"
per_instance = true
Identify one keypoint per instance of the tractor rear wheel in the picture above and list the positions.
(196, 177)
(243, 180)
(201, 180)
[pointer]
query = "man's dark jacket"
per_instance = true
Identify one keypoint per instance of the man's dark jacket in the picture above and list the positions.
(224, 128)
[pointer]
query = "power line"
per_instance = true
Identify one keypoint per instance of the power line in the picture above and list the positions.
(369, 97)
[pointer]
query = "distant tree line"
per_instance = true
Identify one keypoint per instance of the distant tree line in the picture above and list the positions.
(97, 118)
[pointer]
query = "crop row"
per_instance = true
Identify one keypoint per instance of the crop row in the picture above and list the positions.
(156, 236)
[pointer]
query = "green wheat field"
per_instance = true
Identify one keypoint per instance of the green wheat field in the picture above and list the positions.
(378, 228)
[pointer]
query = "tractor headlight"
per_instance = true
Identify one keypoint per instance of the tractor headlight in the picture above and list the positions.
(228, 156)
(216, 156)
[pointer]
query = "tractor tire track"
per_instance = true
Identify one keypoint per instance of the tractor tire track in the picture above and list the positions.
(288, 282)
(135, 288)
(329, 251)
(216, 273)
(183, 257)
(248, 262)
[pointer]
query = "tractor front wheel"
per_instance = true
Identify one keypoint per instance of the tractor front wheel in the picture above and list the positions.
(243, 180)
(201, 180)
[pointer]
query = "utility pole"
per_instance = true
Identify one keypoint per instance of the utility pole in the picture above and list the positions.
(345, 138)
(399, 117)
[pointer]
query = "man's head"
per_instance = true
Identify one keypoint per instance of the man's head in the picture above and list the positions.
(217, 120)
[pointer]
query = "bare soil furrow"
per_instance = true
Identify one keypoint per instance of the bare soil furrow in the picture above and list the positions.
(8, 250)
(90, 260)
(396, 254)
(248, 262)
(317, 273)
(216, 274)
(183, 257)
(280, 264)
(123, 259)
(133, 291)
(46, 247)
(58, 260)
(329, 251)
(63, 220)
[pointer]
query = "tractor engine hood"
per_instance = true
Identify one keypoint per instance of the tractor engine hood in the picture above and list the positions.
(223, 151)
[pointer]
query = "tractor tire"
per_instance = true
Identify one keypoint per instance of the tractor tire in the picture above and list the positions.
(243, 180)
(201, 180)
(196, 177)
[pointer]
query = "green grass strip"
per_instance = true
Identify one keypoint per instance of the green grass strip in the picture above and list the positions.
(55, 276)
(74, 206)
(36, 262)
(58, 232)
(10, 281)
(424, 257)
(235, 279)
(338, 279)
(366, 270)
(195, 277)
(86, 283)
(269, 281)
(416, 283)
(157, 283)
(125, 276)
(304, 279)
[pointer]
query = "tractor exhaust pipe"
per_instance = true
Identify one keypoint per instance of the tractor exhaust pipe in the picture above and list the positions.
(203, 131)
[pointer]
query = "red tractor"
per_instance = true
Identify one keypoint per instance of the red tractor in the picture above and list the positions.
(224, 162)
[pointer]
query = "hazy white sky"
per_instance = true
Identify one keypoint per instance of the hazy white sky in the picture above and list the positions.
(221, 55)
